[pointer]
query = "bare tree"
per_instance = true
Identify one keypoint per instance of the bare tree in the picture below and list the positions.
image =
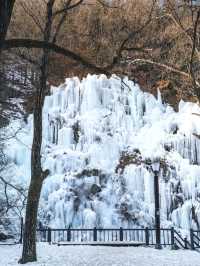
(9, 202)
(185, 15)
(37, 174)
(6, 8)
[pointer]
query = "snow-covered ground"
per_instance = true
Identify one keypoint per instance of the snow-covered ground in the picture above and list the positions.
(101, 256)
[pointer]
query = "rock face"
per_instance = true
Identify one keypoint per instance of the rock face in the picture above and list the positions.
(3, 236)
(172, 93)
(100, 136)
(95, 189)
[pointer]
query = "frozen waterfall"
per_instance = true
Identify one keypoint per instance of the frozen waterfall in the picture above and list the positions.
(96, 132)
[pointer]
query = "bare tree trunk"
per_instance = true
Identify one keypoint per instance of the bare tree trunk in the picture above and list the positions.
(37, 177)
(192, 71)
(6, 8)
(37, 174)
(29, 244)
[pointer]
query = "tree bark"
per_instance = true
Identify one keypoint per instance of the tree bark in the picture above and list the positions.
(37, 174)
(37, 177)
(29, 236)
(6, 8)
(192, 72)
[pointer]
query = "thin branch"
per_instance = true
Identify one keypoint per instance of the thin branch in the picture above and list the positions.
(138, 49)
(67, 7)
(20, 190)
(132, 34)
(60, 23)
(185, 31)
(194, 48)
(27, 58)
(167, 67)
(32, 15)
(8, 206)
(12, 136)
(107, 5)
(196, 114)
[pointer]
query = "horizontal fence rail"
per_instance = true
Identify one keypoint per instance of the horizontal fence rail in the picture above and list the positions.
(169, 237)
(139, 236)
(144, 236)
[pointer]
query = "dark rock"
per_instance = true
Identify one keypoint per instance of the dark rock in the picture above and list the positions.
(98, 139)
(76, 204)
(95, 189)
(3, 236)
(89, 173)
(76, 131)
(102, 179)
(168, 147)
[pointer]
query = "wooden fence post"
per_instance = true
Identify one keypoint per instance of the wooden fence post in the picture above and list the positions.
(192, 239)
(21, 230)
(68, 235)
(95, 234)
(172, 238)
(147, 236)
(121, 234)
(49, 235)
(185, 243)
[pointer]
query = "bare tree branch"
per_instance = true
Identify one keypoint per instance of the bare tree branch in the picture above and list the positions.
(32, 15)
(132, 34)
(178, 23)
(160, 65)
(60, 23)
(67, 7)
(107, 5)
(194, 48)
(18, 189)
(31, 43)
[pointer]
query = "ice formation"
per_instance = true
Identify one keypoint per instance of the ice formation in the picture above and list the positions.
(97, 134)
